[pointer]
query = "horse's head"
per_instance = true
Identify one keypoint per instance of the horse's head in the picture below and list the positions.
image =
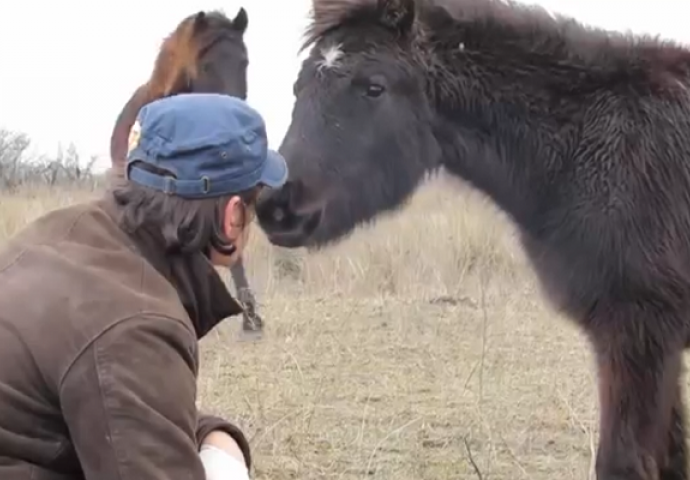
(205, 53)
(361, 137)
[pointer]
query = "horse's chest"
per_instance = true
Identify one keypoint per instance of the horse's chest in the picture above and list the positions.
(572, 279)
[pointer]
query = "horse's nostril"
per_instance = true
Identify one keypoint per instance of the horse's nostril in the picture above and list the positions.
(279, 214)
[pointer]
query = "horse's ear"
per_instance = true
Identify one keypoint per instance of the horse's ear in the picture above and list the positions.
(397, 15)
(200, 21)
(241, 21)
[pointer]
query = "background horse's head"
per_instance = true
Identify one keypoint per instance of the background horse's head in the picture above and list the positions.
(205, 53)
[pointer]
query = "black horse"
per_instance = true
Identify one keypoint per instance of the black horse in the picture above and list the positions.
(582, 136)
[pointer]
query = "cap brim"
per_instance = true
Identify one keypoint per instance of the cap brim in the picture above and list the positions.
(275, 172)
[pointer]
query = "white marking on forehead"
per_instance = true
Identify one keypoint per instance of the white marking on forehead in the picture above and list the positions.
(330, 57)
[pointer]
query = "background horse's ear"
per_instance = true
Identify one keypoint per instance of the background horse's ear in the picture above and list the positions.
(241, 20)
(200, 21)
(397, 15)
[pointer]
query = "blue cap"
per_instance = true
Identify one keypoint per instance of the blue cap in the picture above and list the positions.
(213, 144)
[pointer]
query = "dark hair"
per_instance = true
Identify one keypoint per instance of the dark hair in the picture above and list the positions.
(185, 225)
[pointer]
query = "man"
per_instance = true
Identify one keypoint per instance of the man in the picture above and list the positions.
(102, 305)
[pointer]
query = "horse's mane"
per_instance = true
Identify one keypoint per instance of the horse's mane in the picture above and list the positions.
(509, 21)
(327, 15)
(176, 56)
(180, 50)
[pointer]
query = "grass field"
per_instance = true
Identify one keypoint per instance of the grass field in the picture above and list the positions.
(419, 348)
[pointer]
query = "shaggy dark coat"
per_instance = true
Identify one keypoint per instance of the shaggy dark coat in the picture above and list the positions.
(581, 136)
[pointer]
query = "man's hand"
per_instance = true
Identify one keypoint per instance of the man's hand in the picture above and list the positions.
(222, 457)
(225, 442)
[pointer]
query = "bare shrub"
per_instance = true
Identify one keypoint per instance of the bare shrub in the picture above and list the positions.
(20, 169)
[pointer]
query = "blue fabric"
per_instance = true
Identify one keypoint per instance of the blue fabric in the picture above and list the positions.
(213, 144)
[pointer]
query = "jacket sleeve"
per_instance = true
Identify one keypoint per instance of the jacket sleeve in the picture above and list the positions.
(209, 423)
(129, 403)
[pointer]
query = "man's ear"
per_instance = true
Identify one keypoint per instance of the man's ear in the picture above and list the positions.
(233, 222)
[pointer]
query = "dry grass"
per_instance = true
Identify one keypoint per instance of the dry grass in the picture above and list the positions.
(420, 348)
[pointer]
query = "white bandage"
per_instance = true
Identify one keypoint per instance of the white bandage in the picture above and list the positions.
(220, 465)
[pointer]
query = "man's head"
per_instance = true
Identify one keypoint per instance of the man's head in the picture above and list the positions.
(195, 167)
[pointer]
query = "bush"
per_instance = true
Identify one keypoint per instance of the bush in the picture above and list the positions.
(19, 169)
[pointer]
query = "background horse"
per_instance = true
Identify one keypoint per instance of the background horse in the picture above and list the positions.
(581, 136)
(205, 53)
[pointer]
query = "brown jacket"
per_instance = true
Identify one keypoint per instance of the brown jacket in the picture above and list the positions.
(98, 352)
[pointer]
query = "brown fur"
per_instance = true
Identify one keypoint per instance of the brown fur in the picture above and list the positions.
(176, 70)
(176, 60)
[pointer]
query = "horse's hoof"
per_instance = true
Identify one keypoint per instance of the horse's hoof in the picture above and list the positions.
(250, 335)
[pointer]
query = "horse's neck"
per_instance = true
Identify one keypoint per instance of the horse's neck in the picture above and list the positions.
(503, 162)
(501, 130)
(507, 129)
(119, 138)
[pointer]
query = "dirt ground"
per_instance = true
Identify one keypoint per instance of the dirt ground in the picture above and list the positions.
(420, 348)
(390, 388)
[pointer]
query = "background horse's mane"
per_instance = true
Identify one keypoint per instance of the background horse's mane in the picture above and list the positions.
(180, 50)
(177, 56)
(509, 22)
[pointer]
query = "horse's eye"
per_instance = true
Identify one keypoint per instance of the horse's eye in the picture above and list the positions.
(375, 90)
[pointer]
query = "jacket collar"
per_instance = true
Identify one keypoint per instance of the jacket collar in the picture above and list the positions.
(200, 288)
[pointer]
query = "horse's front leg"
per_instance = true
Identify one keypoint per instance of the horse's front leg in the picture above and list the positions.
(252, 321)
(638, 371)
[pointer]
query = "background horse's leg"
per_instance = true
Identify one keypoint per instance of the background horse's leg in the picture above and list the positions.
(251, 321)
(676, 465)
(639, 370)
